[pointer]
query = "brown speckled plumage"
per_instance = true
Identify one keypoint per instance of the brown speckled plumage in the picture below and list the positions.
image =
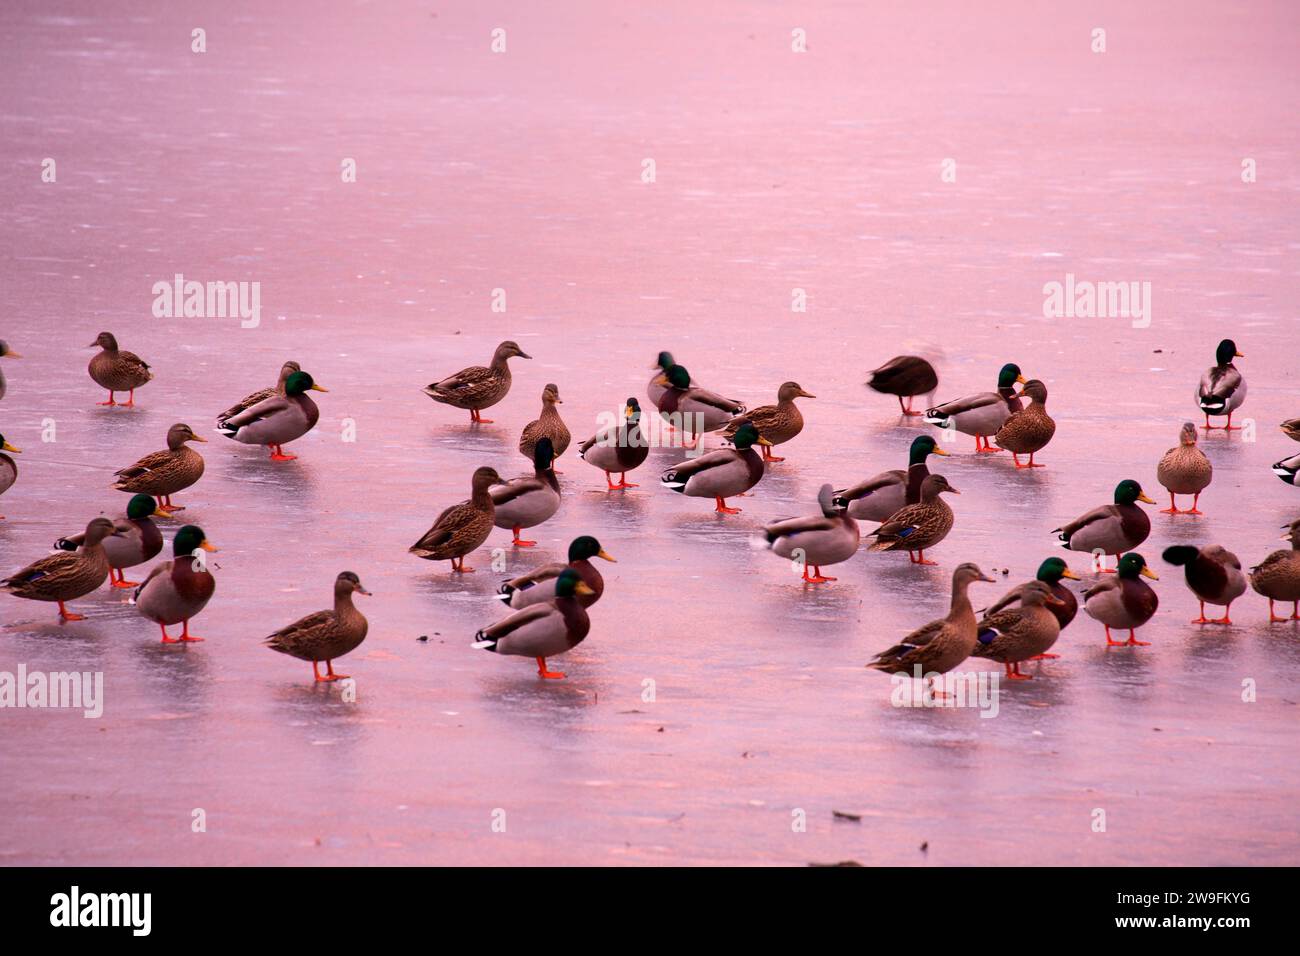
(165, 472)
(547, 425)
(777, 423)
(117, 370)
(478, 387)
(462, 527)
(326, 635)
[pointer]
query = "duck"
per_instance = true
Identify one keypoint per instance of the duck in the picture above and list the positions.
(116, 370)
(542, 630)
(163, 473)
(63, 577)
(1222, 388)
(262, 394)
(816, 540)
(1214, 576)
(135, 540)
(1124, 602)
(879, 497)
(527, 501)
(983, 414)
(1291, 427)
(694, 410)
(179, 589)
(1277, 577)
(278, 420)
(914, 528)
(1027, 632)
(1050, 572)
(538, 585)
(1109, 529)
(904, 376)
(5, 352)
(1184, 470)
(1287, 468)
(462, 527)
(657, 385)
(940, 646)
(720, 474)
(476, 388)
(620, 449)
(8, 467)
(1028, 431)
(326, 635)
(548, 424)
(777, 423)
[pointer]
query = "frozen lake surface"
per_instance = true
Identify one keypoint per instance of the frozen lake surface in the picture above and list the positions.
(521, 171)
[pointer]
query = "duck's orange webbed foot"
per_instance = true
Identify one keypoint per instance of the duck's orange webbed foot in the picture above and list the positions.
(723, 509)
(545, 674)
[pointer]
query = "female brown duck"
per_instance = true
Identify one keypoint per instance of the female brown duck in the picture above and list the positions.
(462, 527)
(326, 635)
(164, 473)
(478, 387)
(116, 370)
(62, 577)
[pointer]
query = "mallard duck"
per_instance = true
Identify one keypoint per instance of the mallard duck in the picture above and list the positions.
(1214, 575)
(879, 497)
(116, 370)
(538, 585)
(1030, 429)
(135, 540)
(1050, 572)
(64, 577)
(542, 630)
(277, 420)
(179, 589)
(1184, 470)
(657, 385)
(983, 414)
(913, 528)
(476, 388)
(262, 394)
(326, 635)
(1291, 426)
(777, 423)
(691, 409)
(826, 538)
(1109, 529)
(720, 474)
(1277, 577)
(904, 376)
(1287, 469)
(621, 449)
(940, 646)
(527, 501)
(548, 424)
(5, 352)
(8, 467)
(164, 473)
(1222, 388)
(1024, 633)
(1124, 602)
(463, 527)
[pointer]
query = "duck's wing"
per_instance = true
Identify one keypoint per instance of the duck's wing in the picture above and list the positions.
(870, 485)
(713, 399)
(914, 641)
(904, 375)
(468, 383)
(967, 404)
(1101, 587)
(133, 363)
(246, 403)
(264, 409)
(302, 632)
(515, 488)
(1100, 513)
(691, 467)
(446, 525)
(536, 576)
(793, 526)
(48, 569)
(163, 567)
(1217, 386)
(518, 623)
(765, 416)
(149, 463)
(1011, 597)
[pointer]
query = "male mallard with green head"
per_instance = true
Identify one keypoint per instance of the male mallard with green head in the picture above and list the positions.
(1184, 470)
(462, 527)
(983, 414)
(8, 467)
(658, 385)
(478, 387)
(914, 528)
(278, 420)
(1222, 388)
(135, 539)
(547, 425)
(777, 423)
(1029, 430)
(720, 474)
(63, 577)
(326, 635)
(692, 409)
(527, 501)
(879, 497)
(816, 540)
(904, 376)
(538, 585)
(1214, 576)
(164, 473)
(542, 630)
(1109, 529)
(179, 589)
(261, 395)
(1024, 633)
(117, 370)
(5, 352)
(620, 449)
(1050, 573)
(1277, 577)
(1124, 602)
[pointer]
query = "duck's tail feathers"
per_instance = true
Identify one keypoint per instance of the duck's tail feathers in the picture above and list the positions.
(482, 643)
(669, 480)
(230, 431)
(935, 417)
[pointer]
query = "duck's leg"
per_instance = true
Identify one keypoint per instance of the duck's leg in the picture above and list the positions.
(935, 692)
(543, 673)
(460, 568)
(186, 636)
(315, 669)
(1045, 657)
(1295, 611)
(330, 675)
(1134, 642)
(920, 558)
(907, 409)
(130, 400)
(1101, 565)
(121, 581)
(166, 639)
(519, 542)
(723, 509)
(1202, 619)
(168, 506)
(66, 615)
(1208, 426)
(277, 454)
(816, 577)
(1109, 641)
(1273, 618)
(110, 399)
(768, 456)
(623, 482)
(1231, 427)
(609, 483)
(1013, 672)
(1173, 506)
(1227, 615)
(1196, 500)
